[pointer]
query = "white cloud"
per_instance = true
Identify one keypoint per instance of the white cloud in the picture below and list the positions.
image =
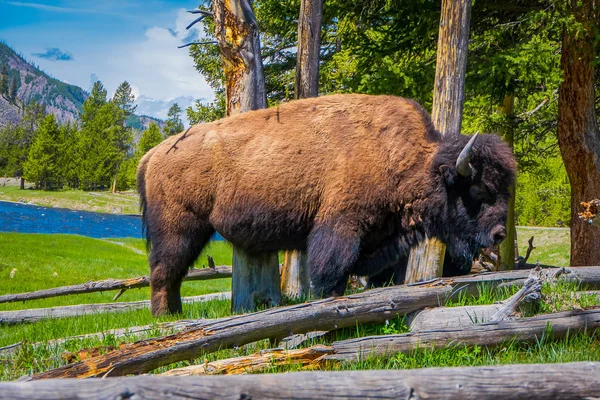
(143, 53)
(162, 71)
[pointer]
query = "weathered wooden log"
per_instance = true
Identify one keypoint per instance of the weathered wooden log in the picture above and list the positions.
(113, 284)
(166, 327)
(255, 282)
(308, 358)
(295, 278)
(35, 314)
(587, 276)
(529, 381)
(487, 334)
(455, 317)
(376, 305)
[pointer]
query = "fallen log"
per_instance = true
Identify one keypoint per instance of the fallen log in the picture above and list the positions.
(489, 334)
(308, 358)
(167, 327)
(486, 334)
(36, 314)
(376, 305)
(529, 381)
(455, 317)
(470, 284)
(113, 284)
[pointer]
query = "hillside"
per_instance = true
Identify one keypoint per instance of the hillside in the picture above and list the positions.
(61, 99)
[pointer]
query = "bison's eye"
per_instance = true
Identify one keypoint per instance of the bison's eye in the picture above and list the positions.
(480, 193)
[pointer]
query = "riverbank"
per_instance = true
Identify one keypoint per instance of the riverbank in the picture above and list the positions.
(103, 202)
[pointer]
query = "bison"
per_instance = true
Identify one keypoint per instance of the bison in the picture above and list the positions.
(354, 180)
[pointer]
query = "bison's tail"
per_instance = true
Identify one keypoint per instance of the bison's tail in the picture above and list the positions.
(141, 187)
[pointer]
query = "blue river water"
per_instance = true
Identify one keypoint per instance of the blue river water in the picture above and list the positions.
(26, 218)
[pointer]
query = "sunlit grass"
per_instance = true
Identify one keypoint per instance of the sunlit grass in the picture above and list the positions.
(102, 201)
(44, 261)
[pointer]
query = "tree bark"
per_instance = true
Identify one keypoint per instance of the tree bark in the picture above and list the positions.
(309, 47)
(577, 127)
(295, 280)
(22, 183)
(426, 260)
(573, 381)
(255, 282)
(295, 277)
(236, 30)
(114, 185)
(507, 247)
(238, 39)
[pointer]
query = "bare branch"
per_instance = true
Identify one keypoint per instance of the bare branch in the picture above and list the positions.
(539, 106)
(200, 43)
(522, 261)
(205, 13)
(200, 18)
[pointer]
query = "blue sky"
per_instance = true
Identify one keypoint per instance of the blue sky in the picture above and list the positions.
(78, 41)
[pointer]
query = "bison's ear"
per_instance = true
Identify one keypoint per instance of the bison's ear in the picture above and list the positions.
(448, 173)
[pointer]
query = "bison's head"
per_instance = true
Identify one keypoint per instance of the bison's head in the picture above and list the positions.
(473, 178)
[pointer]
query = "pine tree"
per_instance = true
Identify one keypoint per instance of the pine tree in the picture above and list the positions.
(124, 98)
(43, 163)
(94, 142)
(12, 92)
(121, 134)
(4, 81)
(93, 103)
(173, 125)
(150, 138)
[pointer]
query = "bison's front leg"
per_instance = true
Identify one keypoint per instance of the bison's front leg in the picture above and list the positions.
(172, 255)
(332, 250)
(165, 286)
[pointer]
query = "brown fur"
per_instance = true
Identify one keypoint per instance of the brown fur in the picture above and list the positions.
(335, 175)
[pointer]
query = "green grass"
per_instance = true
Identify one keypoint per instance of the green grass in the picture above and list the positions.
(552, 245)
(44, 261)
(105, 202)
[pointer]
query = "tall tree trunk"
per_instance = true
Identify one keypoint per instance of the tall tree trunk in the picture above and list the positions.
(507, 247)
(239, 44)
(426, 260)
(309, 46)
(22, 185)
(114, 185)
(578, 135)
(295, 281)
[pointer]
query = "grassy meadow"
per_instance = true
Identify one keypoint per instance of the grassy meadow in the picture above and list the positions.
(35, 261)
(104, 202)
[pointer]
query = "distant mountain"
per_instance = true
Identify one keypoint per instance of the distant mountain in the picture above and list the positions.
(142, 122)
(63, 100)
(146, 105)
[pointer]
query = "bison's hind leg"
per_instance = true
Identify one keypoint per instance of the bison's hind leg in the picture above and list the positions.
(174, 250)
(332, 250)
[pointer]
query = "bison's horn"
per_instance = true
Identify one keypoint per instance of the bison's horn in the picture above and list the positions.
(463, 166)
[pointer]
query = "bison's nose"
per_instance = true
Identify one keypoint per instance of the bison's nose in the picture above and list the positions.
(499, 234)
